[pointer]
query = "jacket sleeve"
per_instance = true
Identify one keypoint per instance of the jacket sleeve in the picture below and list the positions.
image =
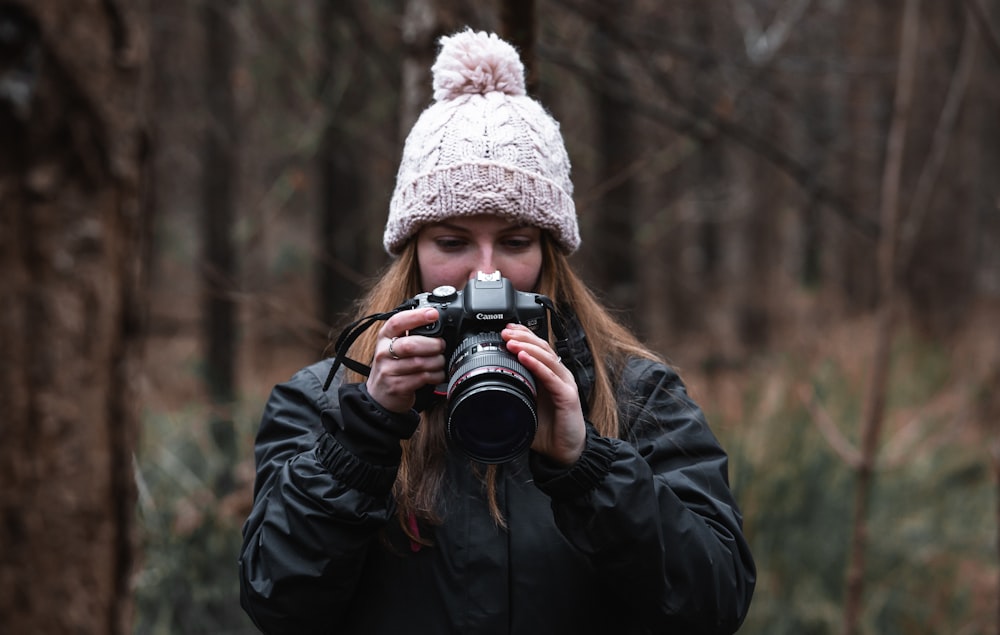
(655, 513)
(326, 462)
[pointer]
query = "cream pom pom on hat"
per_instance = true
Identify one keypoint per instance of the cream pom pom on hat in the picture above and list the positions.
(482, 147)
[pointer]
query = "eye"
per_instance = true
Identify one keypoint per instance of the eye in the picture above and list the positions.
(518, 243)
(449, 243)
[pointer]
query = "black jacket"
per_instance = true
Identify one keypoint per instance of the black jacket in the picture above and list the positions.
(641, 535)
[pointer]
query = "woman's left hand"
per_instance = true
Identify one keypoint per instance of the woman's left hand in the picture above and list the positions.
(562, 431)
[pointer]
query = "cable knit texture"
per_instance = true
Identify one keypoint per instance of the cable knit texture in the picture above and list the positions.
(483, 147)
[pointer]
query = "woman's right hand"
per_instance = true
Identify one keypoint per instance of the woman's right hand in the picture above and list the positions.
(403, 363)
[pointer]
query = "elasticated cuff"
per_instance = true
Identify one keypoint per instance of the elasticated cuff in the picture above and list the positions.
(375, 480)
(581, 477)
(368, 430)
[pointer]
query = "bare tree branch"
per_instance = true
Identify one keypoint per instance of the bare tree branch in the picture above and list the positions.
(706, 122)
(920, 204)
(874, 412)
(762, 44)
(839, 443)
(982, 19)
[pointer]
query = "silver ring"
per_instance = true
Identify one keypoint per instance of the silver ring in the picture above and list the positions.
(392, 353)
(559, 360)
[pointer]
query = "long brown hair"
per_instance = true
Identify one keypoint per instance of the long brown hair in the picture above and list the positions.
(422, 467)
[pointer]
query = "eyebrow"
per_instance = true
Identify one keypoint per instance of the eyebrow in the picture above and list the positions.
(447, 225)
(452, 226)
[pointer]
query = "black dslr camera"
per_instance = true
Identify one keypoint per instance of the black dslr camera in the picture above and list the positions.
(491, 395)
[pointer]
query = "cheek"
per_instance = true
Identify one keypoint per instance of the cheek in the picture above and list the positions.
(523, 272)
(438, 270)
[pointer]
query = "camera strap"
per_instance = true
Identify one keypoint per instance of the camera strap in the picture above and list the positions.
(565, 349)
(353, 331)
(350, 334)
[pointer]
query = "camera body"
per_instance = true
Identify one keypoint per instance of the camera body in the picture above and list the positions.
(488, 303)
(491, 396)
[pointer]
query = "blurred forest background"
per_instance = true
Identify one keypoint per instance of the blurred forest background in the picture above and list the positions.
(796, 201)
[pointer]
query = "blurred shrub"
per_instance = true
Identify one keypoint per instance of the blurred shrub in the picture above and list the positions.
(931, 558)
(194, 495)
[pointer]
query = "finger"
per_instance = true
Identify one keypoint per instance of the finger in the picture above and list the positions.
(521, 331)
(399, 324)
(519, 338)
(394, 342)
(525, 339)
(548, 370)
(411, 347)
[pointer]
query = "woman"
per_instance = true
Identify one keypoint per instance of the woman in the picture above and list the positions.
(619, 519)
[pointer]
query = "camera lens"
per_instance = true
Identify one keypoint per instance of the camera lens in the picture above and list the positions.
(491, 395)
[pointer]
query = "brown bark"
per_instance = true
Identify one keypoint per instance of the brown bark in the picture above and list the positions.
(937, 251)
(341, 162)
(424, 22)
(615, 270)
(70, 213)
(517, 26)
(865, 125)
(220, 168)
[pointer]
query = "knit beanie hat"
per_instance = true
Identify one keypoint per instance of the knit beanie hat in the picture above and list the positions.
(482, 147)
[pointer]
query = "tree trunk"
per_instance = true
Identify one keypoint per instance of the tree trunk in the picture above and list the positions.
(867, 120)
(219, 203)
(340, 163)
(759, 247)
(219, 261)
(70, 236)
(424, 22)
(688, 253)
(937, 253)
(817, 143)
(517, 26)
(615, 271)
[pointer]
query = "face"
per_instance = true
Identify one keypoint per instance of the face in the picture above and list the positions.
(453, 251)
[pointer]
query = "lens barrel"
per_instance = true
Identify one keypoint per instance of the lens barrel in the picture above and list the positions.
(491, 400)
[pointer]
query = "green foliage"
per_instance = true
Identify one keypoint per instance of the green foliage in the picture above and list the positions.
(190, 526)
(931, 558)
(795, 497)
(931, 562)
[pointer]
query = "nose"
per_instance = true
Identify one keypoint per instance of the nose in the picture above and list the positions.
(486, 261)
